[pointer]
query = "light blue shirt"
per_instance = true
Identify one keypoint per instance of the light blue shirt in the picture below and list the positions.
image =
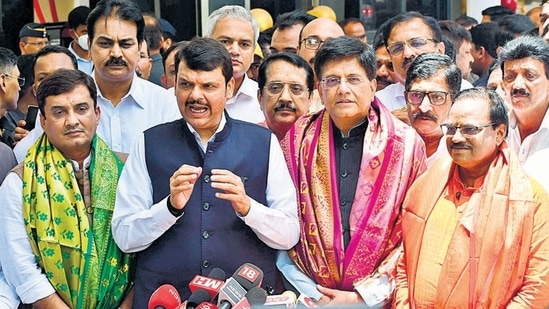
(84, 65)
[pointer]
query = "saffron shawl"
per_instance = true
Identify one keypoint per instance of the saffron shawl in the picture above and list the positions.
(82, 262)
(393, 156)
(507, 222)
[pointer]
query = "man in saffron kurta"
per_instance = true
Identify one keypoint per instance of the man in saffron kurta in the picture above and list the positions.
(56, 208)
(475, 228)
(352, 164)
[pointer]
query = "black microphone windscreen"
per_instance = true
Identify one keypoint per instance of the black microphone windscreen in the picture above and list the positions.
(248, 276)
(256, 296)
(217, 273)
(197, 297)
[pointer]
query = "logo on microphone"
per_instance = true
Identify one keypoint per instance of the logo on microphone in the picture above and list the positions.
(248, 273)
(207, 282)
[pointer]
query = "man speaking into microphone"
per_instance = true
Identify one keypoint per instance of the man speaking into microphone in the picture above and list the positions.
(206, 190)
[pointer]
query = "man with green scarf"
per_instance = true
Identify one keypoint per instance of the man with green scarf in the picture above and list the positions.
(56, 207)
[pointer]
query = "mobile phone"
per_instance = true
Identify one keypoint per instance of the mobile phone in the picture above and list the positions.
(30, 119)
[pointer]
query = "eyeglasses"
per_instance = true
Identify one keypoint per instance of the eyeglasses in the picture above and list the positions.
(415, 43)
(436, 98)
(39, 44)
(331, 82)
(20, 80)
(277, 88)
(312, 43)
(466, 130)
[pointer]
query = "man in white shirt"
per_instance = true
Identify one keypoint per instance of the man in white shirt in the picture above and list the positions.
(525, 63)
(238, 31)
(129, 105)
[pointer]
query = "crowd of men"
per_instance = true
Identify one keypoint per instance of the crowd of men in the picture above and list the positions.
(406, 174)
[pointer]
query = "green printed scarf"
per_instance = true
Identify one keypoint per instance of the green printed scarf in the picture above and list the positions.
(82, 263)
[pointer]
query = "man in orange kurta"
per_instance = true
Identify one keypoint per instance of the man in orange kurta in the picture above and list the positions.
(475, 228)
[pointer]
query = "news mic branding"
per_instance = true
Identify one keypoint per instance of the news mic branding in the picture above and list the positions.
(286, 300)
(306, 301)
(211, 284)
(244, 279)
(206, 305)
(253, 299)
(165, 297)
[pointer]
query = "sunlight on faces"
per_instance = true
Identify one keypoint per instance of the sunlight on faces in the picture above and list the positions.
(475, 152)
(347, 104)
(430, 116)
(238, 37)
(201, 96)
(70, 121)
(404, 31)
(278, 118)
(115, 49)
(48, 64)
(527, 74)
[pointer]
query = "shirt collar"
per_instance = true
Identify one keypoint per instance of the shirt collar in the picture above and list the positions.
(220, 127)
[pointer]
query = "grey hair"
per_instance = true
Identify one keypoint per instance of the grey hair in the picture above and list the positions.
(234, 12)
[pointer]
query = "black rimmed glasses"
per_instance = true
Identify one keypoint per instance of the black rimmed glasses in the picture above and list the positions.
(275, 88)
(20, 80)
(415, 43)
(415, 97)
(467, 130)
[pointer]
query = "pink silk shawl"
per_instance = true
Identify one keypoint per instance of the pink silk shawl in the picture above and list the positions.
(393, 156)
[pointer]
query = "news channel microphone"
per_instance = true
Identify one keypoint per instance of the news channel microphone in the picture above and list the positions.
(211, 284)
(198, 297)
(206, 305)
(285, 300)
(254, 298)
(165, 297)
(244, 279)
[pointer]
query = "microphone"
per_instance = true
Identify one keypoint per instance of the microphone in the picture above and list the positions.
(305, 301)
(206, 305)
(254, 298)
(285, 300)
(211, 284)
(244, 279)
(165, 297)
(197, 298)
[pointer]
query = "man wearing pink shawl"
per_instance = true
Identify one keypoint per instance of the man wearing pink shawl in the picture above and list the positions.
(352, 164)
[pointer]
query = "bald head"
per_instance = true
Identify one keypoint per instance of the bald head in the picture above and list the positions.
(314, 34)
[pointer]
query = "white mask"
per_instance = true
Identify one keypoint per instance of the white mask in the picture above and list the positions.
(83, 41)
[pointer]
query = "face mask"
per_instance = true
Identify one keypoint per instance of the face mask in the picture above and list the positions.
(83, 41)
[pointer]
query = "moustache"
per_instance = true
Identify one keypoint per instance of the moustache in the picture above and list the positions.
(520, 93)
(406, 62)
(383, 79)
(72, 130)
(425, 115)
(196, 102)
(284, 106)
(460, 145)
(116, 62)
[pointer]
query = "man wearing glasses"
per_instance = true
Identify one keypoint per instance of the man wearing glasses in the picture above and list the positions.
(312, 36)
(478, 238)
(32, 38)
(407, 35)
(352, 163)
(286, 84)
(431, 82)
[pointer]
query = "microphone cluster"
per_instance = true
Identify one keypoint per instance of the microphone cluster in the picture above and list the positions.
(240, 291)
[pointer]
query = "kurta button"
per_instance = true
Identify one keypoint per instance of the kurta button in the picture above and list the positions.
(205, 235)
(206, 206)
(81, 182)
(344, 174)
(345, 146)
(206, 178)
(343, 202)
(206, 264)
